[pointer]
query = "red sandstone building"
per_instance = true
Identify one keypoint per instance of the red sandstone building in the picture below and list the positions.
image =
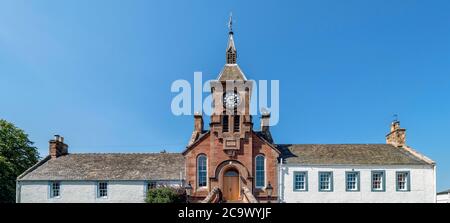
(231, 156)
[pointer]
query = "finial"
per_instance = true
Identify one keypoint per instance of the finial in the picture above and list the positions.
(230, 23)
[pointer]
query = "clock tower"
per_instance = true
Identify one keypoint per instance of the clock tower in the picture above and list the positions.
(231, 158)
(231, 122)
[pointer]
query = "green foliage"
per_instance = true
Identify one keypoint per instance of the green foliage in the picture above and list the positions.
(165, 195)
(16, 155)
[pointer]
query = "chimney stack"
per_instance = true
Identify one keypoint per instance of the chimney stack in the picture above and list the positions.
(198, 122)
(397, 136)
(57, 147)
(265, 121)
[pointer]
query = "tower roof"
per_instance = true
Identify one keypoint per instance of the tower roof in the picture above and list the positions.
(231, 46)
(231, 70)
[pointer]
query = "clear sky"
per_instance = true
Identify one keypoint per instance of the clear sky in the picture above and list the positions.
(99, 72)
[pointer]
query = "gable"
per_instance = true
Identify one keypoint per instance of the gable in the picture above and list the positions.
(201, 139)
(264, 141)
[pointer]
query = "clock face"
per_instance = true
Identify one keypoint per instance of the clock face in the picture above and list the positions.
(231, 100)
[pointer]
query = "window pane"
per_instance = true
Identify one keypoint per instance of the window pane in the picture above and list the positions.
(325, 181)
(55, 189)
(300, 181)
(377, 180)
(103, 189)
(201, 171)
(402, 179)
(352, 181)
(260, 172)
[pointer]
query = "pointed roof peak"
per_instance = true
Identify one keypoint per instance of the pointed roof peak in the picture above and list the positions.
(231, 71)
(231, 52)
(231, 42)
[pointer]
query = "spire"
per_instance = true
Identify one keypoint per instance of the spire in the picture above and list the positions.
(231, 53)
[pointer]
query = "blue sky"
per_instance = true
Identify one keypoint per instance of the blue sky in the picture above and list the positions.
(99, 72)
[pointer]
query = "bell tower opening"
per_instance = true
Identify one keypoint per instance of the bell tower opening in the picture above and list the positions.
(225, 122)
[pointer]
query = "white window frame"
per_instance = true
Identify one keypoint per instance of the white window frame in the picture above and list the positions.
(330, 181)
(101, 190)
(407, 181)
(52, 189)
(382, 181)
(356, 182)
(305, 180)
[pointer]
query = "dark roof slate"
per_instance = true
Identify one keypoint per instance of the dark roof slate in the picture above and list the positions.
(347, 154)
(110, 166)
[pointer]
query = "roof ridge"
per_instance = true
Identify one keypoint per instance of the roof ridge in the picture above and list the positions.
(333, 144)
(124, 153)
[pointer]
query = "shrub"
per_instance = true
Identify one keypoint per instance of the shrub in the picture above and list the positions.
(166, 195)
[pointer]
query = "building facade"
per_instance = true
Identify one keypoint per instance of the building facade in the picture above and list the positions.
(357, 184)
(233, 161)
(97, 178)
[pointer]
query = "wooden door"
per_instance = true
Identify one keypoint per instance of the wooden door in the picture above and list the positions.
(231, 186)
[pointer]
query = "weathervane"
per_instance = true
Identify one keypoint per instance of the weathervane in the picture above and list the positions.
(230, 23)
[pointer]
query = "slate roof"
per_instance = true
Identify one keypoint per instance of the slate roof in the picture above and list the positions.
(348, 154)
(265, 135)
(169, 166)
(231, 72)
(109, 166)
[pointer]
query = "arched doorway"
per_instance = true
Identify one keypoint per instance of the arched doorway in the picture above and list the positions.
(231, 190)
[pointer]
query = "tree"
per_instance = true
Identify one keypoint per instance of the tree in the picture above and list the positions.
(165, 195)
(17, 154)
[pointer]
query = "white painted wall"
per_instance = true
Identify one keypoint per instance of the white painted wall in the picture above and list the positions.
(443, 198)
(423, 188)
(84, 192)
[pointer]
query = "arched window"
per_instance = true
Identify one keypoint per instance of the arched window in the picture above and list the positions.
(201, 171)
(260, 172)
